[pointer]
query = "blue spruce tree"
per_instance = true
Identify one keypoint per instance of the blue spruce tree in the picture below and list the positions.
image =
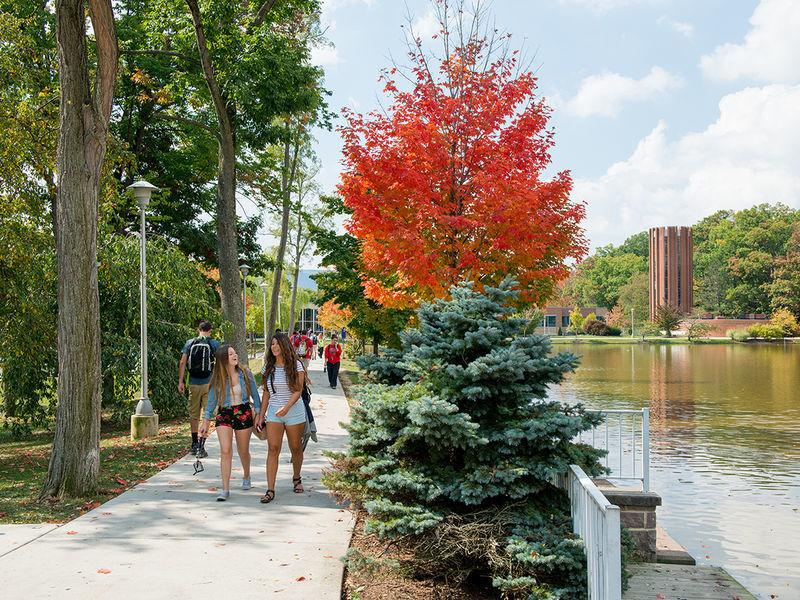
(453, 456)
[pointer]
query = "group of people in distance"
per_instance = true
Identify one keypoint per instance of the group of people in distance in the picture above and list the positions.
(219, 382)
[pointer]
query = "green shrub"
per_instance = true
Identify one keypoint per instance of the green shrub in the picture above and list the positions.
(454, 465)
(179, 295)
(786, 322)
(765, 330)
(738, 335)
(615, 331)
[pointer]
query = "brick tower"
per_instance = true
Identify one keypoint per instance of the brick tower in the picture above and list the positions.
(671, 274)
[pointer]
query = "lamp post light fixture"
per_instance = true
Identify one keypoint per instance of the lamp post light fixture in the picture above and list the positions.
(245, 269)
(264, 290)
(143, 427)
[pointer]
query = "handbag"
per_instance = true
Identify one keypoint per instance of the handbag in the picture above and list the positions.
(262, 435)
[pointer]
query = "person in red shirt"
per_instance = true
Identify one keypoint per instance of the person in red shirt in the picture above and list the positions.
(304, 346)
(333, 357)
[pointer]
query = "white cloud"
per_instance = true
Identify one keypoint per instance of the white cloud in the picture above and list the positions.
(606, 94)
(426, 26)
(325, 55)
(602, 6)
(330, 6)
(748, 156)
(685, 29)
(770, 51)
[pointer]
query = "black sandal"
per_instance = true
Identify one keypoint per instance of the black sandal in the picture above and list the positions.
(298, 482)
(268, 497)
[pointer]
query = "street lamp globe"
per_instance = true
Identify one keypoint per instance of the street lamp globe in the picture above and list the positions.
(142, 190)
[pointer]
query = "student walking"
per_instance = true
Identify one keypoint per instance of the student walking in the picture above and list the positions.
(305, 348)
(231, 389)
(198, 354)
(283, 379)
(333, 357)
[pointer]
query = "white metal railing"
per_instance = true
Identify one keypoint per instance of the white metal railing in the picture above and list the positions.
(596, 521)
(625, 436)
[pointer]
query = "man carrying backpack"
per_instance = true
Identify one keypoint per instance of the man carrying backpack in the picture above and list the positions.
(305, 347)
(198, 355)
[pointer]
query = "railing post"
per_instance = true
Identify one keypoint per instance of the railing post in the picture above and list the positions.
(645, 449)
(612, 555)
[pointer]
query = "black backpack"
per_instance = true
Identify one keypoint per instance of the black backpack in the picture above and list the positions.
(201, 358)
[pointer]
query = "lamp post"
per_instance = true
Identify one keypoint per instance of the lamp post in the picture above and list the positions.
(264, 291)
(245, 269)
(143, 422)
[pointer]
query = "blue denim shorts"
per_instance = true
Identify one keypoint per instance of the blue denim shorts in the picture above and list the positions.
(295, 416)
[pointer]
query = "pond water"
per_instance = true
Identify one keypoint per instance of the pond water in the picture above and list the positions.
(725, 447)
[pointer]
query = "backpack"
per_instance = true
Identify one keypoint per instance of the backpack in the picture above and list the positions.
(201, 358)
(302, 349)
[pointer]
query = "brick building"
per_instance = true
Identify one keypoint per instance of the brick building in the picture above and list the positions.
(671, 272)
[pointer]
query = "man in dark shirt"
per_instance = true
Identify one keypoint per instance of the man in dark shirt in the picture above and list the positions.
(198, 353)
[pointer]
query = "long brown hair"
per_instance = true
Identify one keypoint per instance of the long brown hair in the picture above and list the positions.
(290, 359)
(220, 374)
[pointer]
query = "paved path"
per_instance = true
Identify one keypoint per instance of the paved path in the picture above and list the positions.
(169, 538)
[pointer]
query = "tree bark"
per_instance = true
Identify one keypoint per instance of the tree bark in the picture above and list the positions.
(75, 460)
(227, 238)
(297, 255)
(290, 155)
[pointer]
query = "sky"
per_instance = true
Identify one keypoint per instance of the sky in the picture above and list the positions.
(665, 111)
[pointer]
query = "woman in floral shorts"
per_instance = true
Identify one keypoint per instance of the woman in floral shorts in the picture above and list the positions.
(232, 387)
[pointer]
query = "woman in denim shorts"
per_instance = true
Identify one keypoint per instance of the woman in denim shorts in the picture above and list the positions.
(283, 379)
(231, 388)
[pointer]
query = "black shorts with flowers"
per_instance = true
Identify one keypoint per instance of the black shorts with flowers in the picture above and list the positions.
(239, 416)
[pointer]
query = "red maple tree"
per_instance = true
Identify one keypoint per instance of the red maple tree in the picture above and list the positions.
(448, 184)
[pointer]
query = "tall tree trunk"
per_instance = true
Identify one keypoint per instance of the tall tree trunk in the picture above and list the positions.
(297, 255)
(227, 238)
(289, 168)
(75, 460)
(228, 242)
(294, 297)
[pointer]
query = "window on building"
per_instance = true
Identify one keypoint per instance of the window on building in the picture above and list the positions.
(550, 321)
(565, 320)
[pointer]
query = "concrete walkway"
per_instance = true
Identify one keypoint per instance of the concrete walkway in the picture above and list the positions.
(170, 538)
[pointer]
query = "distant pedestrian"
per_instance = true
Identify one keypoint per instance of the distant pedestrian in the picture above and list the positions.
(283, 378)
(198, 355)
(314, 344)
(333, 357)
(232, 387)
(304, 346)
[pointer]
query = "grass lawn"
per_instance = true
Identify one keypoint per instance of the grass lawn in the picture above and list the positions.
(123, 464)
(352, 370)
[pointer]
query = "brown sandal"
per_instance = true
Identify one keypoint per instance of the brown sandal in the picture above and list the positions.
(298, 485)
(268, 497)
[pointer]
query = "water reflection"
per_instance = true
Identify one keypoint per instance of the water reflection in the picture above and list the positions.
(725, 447)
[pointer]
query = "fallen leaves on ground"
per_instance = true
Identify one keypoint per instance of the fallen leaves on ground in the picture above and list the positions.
(71, 532)
(104, 571)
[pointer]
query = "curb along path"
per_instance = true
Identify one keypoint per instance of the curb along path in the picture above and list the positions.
(168, 537)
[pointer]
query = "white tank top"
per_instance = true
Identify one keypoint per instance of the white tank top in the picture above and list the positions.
(281, 395)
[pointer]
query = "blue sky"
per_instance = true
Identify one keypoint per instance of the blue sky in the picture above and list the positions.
(665, 110)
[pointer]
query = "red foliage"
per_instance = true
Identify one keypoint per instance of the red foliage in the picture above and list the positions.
(448, 185)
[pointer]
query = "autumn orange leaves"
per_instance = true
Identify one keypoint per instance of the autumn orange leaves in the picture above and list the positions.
(449, 183)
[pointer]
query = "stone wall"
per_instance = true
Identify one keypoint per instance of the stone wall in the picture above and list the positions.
(638, 515)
